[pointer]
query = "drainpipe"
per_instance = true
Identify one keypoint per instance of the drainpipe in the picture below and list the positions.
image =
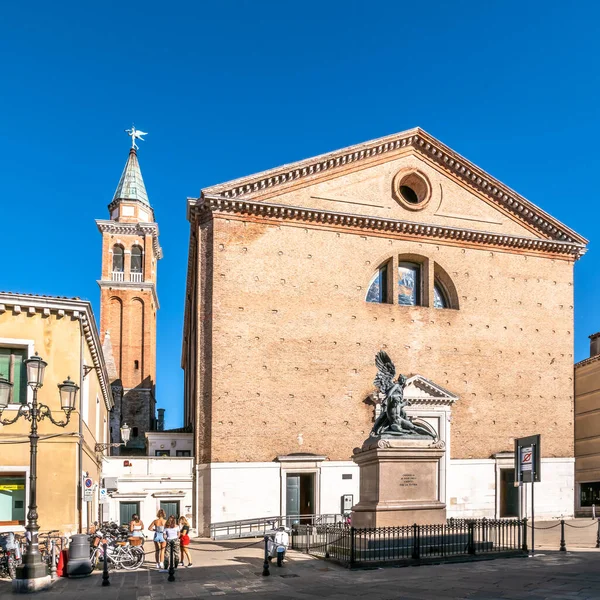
(80, 441)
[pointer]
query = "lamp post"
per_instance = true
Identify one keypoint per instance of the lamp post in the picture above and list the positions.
(33, 568)
(125, 434)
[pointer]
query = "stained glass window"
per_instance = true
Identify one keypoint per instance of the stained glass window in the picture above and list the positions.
(378, 287)
(408, 284)
(439, 297)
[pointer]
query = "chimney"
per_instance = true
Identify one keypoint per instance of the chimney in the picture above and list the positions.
(594, 344)
(160, 422)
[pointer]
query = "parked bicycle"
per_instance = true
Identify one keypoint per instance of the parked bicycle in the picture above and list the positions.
(45, 542)
(120, 553)
(10, 555)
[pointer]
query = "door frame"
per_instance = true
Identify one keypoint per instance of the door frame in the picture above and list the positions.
(300, 464)
(505, 460)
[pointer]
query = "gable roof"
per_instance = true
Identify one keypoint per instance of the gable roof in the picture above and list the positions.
(279, 179)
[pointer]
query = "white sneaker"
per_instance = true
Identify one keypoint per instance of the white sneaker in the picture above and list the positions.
(158, 566)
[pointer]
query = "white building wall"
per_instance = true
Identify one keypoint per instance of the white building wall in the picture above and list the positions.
(244, 491)
(148, 480)
(333, 486)
(251, 490)
(555, 493)
(471, 488)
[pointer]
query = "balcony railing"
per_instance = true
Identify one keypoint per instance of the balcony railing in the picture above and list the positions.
(118, 276)
(136, 277)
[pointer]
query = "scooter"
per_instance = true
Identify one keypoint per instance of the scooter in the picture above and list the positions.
(280, 554)
(277, 549)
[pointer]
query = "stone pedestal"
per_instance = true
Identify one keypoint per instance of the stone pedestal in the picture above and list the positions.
(399, 482)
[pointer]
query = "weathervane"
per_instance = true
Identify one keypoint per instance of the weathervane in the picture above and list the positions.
(135, 134)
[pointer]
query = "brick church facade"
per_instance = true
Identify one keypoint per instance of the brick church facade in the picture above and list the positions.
(297, 276)
(128, 305)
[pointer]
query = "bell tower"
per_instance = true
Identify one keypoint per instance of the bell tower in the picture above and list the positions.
(129, 302)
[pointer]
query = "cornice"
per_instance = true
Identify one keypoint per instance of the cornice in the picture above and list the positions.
(392, 227)
(141, 229)
(287, 175)
(129, 285)
(61, 307)
(587, 361)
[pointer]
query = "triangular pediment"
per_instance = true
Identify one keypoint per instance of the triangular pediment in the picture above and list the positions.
(421, 391)
(358, 181)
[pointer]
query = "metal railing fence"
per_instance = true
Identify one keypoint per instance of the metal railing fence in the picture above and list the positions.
(413, 543)
(257, 527)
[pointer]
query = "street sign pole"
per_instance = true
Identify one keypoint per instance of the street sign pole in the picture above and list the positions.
(528, 470)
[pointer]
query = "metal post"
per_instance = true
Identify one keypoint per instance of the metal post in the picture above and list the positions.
(532, 519)
(563, 547)
(171, 576)
(265, 572)
(598, 535)
(53, 559)
(416, 553)
(326, 541)
(105, 575)
(471, 541)
(33, 566)
(524, 547)
(352, 546)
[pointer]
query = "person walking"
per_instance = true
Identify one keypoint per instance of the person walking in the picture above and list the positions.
(158, 526)
(184, 541)
(136, 528)
(172, 537)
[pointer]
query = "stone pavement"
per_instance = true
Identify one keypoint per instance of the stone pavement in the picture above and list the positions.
(233, 570)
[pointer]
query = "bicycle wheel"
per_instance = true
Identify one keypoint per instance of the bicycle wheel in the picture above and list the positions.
(131, 558)
(95, 558)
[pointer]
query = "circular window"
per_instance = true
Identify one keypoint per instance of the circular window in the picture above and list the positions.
(411, 189)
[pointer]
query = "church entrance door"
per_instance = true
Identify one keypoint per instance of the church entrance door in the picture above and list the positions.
(300, 501)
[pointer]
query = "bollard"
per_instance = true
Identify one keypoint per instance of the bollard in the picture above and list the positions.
(53, 559)
(563, 547)
(171, 576)
(105, 576)
(598, 535)
(416, 553)
(265, 572)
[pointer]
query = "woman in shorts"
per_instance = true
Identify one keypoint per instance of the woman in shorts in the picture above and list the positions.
(160, 543)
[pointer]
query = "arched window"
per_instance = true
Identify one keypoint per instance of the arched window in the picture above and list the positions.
(377, 291)
(136, 259)
(414, 286)
(409, 284)
(118, 262)
(440, 298)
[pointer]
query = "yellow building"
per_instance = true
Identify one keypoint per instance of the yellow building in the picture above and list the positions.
(63, 332)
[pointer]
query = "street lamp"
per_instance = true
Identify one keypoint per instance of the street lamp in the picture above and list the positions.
(125, 434)
(33, 567)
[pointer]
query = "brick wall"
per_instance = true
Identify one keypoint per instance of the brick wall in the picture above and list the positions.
(289, 342)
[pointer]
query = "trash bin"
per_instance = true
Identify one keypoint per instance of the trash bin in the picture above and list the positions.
(79, 564)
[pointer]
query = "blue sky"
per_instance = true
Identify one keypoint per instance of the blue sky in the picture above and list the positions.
(229, 88)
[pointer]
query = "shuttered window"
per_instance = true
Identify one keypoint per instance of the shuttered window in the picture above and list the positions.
(12, 366)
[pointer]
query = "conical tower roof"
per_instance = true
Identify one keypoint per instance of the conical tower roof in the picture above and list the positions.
(131, 185)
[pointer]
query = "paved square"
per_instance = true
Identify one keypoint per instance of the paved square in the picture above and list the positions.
(232, 569)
